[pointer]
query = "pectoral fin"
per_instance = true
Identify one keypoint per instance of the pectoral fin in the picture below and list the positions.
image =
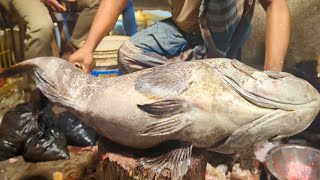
(166, 126)
(165, 108)
(164, 81)
(169, 115)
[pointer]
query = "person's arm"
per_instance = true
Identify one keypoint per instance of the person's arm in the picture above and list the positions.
(104, 21)
(277, 33)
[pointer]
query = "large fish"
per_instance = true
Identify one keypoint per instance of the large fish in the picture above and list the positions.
(218, 104)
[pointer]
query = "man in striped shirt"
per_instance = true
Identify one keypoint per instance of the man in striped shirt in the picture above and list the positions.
(197, 29)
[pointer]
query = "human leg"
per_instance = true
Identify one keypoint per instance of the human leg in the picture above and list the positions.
(39, 27)
(87, 9)
(158, 44)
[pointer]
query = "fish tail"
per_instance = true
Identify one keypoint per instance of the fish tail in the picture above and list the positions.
(27, 65)
(17, 69)
(46, 71)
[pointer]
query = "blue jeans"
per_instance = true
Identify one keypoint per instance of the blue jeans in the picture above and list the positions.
(129, 20)
(164, 42)
(158, 44)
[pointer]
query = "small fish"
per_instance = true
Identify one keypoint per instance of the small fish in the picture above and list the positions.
(217, 104)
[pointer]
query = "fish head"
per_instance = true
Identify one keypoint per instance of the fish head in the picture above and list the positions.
(291, 104)
(270, 89)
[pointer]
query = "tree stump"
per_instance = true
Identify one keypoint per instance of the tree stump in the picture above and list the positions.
(119, 162)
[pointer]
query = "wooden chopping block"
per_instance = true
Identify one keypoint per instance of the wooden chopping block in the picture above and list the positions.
(119, 162)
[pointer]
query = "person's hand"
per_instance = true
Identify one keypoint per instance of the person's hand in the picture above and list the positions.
(55, 5)
(82, 59)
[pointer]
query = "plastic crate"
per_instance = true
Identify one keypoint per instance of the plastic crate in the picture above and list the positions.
(105, 72)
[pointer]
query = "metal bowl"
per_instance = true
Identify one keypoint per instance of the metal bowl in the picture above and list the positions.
(294, 162)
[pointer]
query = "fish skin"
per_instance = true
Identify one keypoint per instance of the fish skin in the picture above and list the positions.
(201, 102)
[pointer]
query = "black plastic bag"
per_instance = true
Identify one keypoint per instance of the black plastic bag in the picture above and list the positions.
(47, 117)
(17, 125)
(76, 132)
(46, 145)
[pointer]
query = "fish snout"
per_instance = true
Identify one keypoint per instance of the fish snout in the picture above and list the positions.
(300, 93)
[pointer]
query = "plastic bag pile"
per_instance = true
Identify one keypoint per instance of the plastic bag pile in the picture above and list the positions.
(41, 135)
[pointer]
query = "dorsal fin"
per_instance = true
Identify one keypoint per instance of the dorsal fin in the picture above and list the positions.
(165, 81)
